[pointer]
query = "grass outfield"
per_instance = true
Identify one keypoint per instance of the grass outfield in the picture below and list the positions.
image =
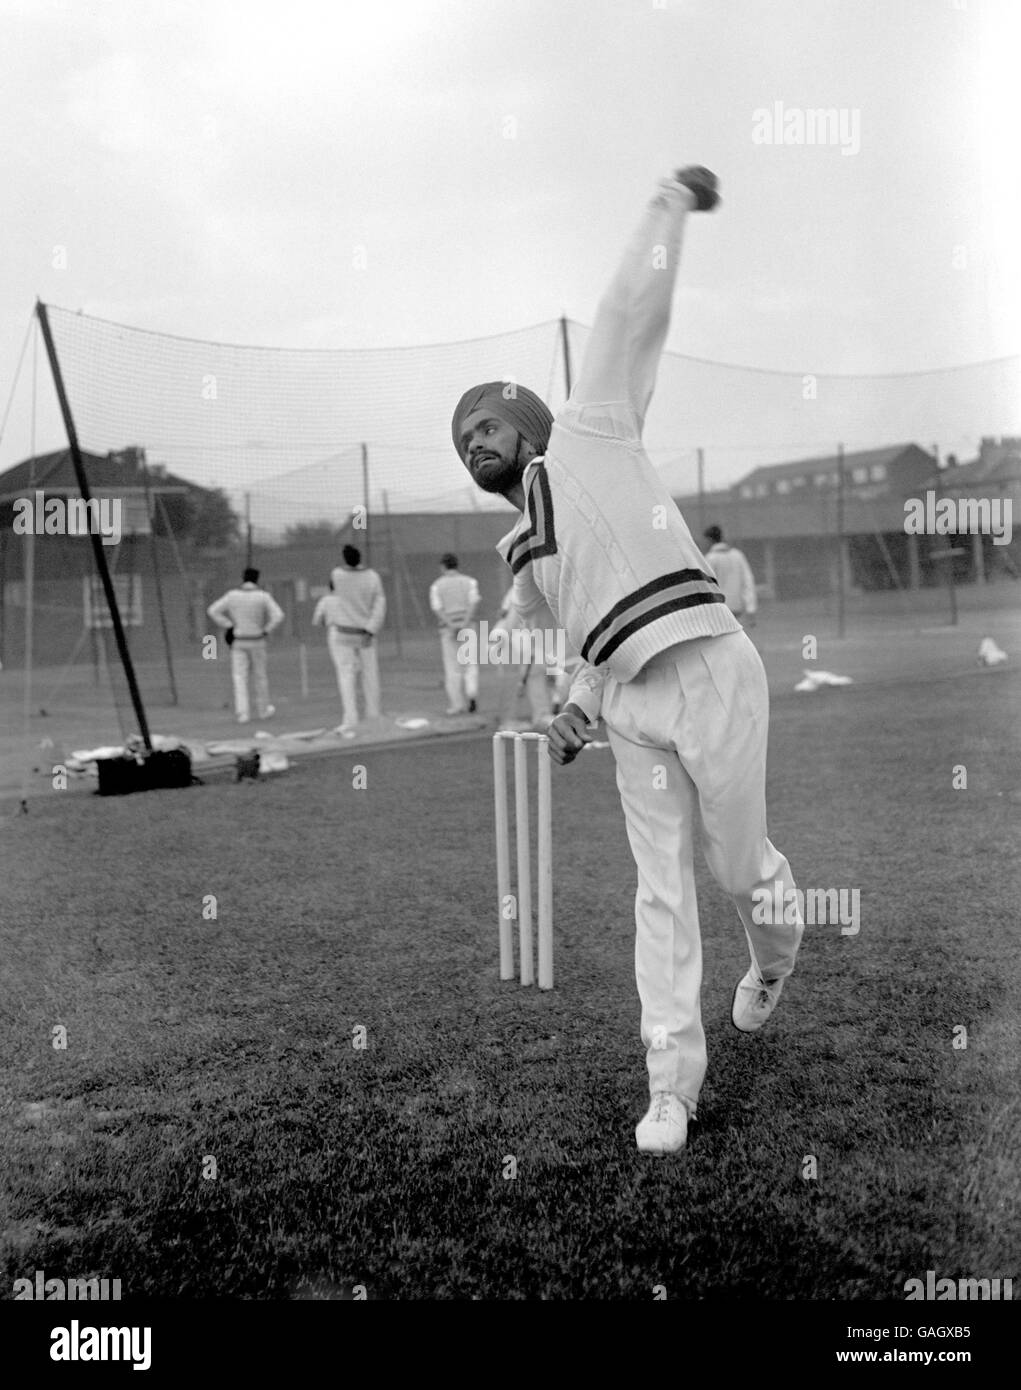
(385, 1167)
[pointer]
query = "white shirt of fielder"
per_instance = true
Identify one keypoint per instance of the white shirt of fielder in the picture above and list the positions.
(249, 610)
(353, 615)
(358, 601)
(253, 614)
(454, 598)
(736, 578)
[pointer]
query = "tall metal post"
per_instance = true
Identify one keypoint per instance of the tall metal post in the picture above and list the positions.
(840, 540)
(158, 577)
(365, 500)
(28, 574)
(949, 555)
(394, 576)
(94, 537)
(3, 598)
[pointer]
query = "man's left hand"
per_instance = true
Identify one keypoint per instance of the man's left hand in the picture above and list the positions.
(568, 735)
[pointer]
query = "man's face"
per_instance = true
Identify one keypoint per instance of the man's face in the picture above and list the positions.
(492, 451)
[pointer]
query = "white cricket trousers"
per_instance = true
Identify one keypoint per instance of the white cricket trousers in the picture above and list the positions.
(249, 656)
(689, 737)
(461, 679)
(531, 676)
(350, 658)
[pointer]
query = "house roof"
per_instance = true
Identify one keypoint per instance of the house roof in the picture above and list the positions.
(717, 498)
(1001, 468)
(808, 467)
(55, 473)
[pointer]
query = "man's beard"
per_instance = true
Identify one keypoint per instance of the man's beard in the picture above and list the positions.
(498, 474)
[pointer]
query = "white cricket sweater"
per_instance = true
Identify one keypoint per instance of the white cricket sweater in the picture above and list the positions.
(357, 601)
(454, 597)
(601, 540)
(735, 575)
(249, 610)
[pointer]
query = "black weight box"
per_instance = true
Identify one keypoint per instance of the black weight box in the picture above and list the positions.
(169, 767)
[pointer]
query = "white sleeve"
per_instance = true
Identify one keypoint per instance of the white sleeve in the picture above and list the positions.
(275, 614)
(526, 597)
(218, 611)
(633, 317)
(587, 690)
(378, 613)
(749, 596)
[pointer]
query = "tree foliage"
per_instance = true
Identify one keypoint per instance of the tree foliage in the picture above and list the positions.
(204, 517)
(314, 533)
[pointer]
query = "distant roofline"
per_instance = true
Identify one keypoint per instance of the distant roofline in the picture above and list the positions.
(100, 491)
(887, 454)
(159, 479)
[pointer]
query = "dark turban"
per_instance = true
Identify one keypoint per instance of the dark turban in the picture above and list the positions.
(524, 411)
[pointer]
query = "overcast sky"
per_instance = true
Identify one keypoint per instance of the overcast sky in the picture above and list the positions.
(347, 174)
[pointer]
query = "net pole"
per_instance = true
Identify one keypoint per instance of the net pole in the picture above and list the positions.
(949, 556)
(171, 537)
(398, 598)
(97, 678)
(94, 537)
(365, 504)
(190, 591)
(3, 599)
(840, 541)
(303, 669)
(29, 581)
(31, 335)
(158, 579)
(888, 560)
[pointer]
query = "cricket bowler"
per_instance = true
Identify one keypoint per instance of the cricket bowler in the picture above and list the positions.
(680, 686)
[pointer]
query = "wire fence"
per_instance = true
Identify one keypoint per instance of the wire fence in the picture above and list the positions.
(305, 435)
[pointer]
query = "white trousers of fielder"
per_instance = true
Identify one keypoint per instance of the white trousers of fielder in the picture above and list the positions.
(532, 677)
(349, 659)
(461, 679)
(689, 738)
(245, 657)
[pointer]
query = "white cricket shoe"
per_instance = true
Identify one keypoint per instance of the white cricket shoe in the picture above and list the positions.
(754, 1000)
(664, 1130)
